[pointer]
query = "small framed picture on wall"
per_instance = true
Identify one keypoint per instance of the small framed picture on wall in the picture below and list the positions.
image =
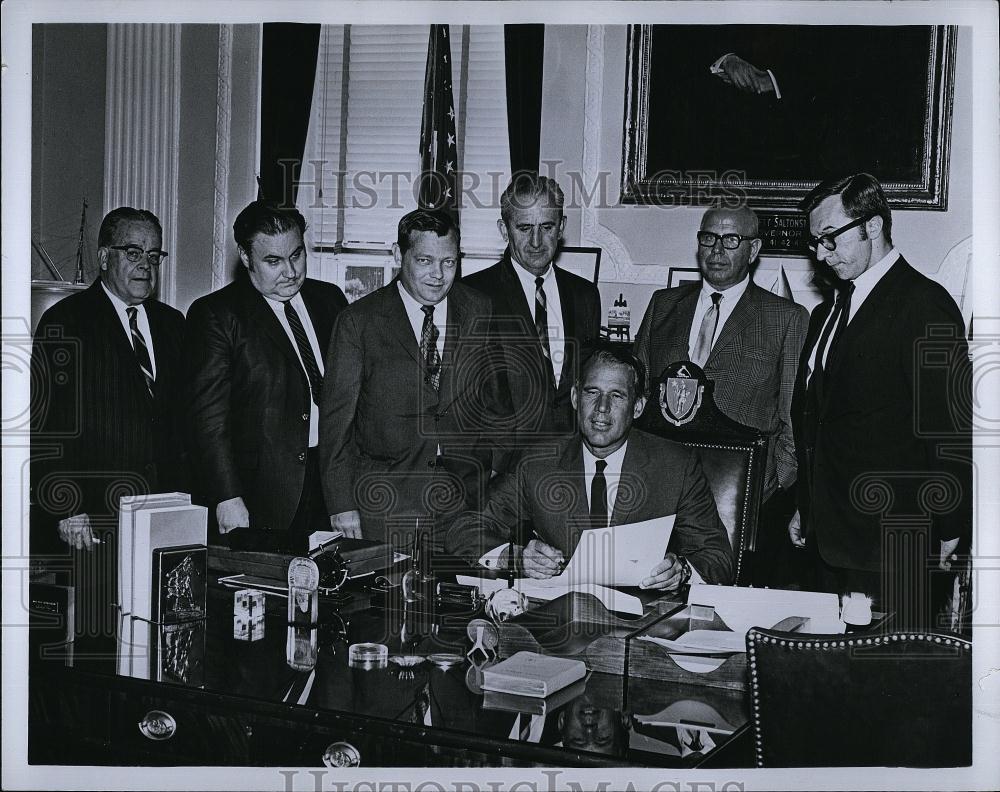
(678, 275)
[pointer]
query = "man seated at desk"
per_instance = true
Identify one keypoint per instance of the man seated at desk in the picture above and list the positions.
(608, 475)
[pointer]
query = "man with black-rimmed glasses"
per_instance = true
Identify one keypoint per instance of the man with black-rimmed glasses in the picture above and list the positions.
(105, 376)
(881, 414)
(746, 339)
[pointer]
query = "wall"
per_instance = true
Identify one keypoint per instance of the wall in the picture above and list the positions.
(582, 133)
(69, 78)
(67, 141)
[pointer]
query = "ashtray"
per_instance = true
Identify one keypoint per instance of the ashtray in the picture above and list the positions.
(445, 660)
(368, 655)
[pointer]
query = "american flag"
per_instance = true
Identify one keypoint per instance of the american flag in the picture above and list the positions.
(438, 144)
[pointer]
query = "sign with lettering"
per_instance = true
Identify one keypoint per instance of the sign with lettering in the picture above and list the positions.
(784, 233)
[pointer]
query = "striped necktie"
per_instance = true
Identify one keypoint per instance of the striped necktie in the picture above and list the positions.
(140, 348)
(305, 351)
(542, 320)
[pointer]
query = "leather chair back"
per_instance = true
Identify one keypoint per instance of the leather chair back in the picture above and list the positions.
(871, 700)
(733, 456)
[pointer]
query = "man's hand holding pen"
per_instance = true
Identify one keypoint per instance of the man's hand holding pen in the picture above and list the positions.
(540, 560)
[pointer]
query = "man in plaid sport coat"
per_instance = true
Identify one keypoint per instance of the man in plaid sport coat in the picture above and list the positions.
(748, 339)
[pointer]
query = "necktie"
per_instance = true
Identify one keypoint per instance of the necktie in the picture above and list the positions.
(141, 350)
(428, 348)
(709, 323)
(305, 351)
(599, 496)
(831, 335)
(542, 319)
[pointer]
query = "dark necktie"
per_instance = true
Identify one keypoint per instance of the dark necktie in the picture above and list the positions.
(831, 335)
(599, 496)
(542, 320)
(305, 351)
(141, 350)
(706, 333)
(428, 348)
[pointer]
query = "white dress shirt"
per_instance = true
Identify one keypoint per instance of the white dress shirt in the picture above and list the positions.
(730, 297)
(612, 474)
(863, 286)
(141, 319)
(553, 311)
(300, 308)
(415, 313)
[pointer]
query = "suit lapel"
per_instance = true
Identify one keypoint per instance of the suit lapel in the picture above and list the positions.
(578, 518)
(632, 477)
(262, 316)
(107, 315)
(456, 329)
(743, 313)
(871, 312)
(570, 310)
(512, 292)
(398, 323)
(677, 326)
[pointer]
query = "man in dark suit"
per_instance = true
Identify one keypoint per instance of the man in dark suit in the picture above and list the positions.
(608, 475)
(882, 384)
(106, 365)
(746, 339)
(419, 411)
(547, 318)
(256, 378)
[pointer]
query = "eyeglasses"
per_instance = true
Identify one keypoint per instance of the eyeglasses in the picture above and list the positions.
(828, 240)
(133, 253)
(729, 241)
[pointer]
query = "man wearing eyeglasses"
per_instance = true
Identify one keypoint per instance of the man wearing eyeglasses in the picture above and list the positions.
(105, 378)
(746, 339)
(884, 367)
(256, 378)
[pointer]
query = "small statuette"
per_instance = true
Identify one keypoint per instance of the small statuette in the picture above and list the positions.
(504, 604)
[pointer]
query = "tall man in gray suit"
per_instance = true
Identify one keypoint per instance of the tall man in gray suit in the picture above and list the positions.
(548, 319)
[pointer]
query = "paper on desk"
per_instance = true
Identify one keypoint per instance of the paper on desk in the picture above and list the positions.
(549, 590)
(743, 608)
(620, 555)
(316, 538)
(702, 642)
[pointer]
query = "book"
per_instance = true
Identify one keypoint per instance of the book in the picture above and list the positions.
(128, 506)
(532, 674)
(179, 583)
(155, 528)
(52, 612)
(533, 705)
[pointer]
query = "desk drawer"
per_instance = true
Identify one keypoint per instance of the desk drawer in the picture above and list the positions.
(158, 730)
(68, 723)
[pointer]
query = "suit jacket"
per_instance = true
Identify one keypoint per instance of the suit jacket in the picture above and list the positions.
(542, 409)
(248, 398)
(658, 478)
(97, 434)
(753, 362)
(877, 438)
(391, 446)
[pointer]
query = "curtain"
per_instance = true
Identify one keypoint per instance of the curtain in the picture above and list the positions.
(524, 50)
(288, 72)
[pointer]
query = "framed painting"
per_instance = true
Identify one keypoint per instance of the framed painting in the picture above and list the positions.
(765, 112)
(679, 275)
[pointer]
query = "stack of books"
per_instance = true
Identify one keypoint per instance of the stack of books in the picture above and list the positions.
(162, 584)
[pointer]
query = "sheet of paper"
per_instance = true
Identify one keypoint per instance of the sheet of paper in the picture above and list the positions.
(620, 555)
(743, 608)
(316, 538)
(548, 590)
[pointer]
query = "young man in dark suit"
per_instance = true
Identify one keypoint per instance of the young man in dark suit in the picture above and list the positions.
(881, 414)
(418, 414)
(548, 319)
(609, 474)
(105, 386)
(256, 379)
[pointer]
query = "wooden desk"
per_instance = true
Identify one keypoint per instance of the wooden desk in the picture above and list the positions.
(88, 714)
